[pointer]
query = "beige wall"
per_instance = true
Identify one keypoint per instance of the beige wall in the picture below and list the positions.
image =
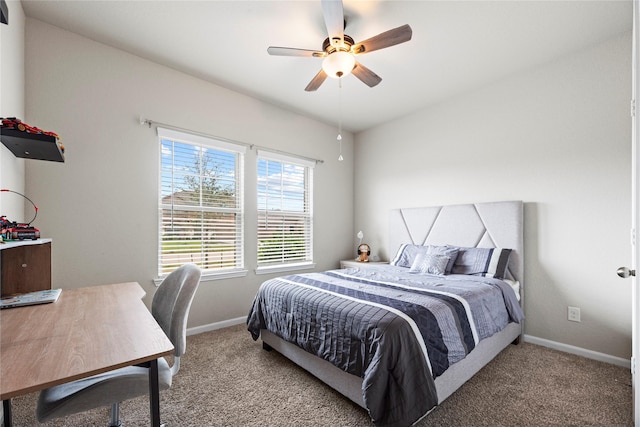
(12, 175)
(100, 206)
(557, 137)
(12, 105)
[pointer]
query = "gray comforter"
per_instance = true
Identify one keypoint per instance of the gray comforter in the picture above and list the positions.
(396, 330)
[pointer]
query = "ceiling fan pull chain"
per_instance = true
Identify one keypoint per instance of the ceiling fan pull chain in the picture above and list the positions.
(339, 138)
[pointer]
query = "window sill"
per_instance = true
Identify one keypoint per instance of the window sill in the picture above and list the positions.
(285, 268)
(210, 277)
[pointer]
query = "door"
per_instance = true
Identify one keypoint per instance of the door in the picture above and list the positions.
(635, 217)
(635, 214)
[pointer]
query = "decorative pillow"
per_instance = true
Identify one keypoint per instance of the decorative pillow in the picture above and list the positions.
(487, 262)
(406, 255)
(448, 251)
(429, 264)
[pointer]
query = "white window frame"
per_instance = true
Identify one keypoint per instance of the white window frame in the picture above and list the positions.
(308, 262)
(239, 269)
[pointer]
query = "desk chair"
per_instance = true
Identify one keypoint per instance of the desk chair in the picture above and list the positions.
(170, 308)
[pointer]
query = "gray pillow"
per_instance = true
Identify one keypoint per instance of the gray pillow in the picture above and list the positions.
(487, 262)
(406, 255)
(429, 264)
(448, 251)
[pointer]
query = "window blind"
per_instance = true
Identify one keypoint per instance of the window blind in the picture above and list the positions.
(285, 209)
(201, 203)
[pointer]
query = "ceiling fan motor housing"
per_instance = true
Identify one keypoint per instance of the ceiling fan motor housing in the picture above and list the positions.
(330, 48)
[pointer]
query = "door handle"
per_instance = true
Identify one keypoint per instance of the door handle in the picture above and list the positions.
(624, 272)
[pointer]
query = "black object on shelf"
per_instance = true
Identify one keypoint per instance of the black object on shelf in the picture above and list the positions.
(32, 146)
(4, 12)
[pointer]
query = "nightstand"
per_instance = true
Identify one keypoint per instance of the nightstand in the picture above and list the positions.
(347, 263)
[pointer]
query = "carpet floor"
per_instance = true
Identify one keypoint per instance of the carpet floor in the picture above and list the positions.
(226, 379)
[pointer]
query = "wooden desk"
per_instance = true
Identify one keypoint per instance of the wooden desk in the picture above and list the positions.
(86, 332)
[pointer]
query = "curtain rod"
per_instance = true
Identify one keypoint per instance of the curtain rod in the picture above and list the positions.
(149, 123)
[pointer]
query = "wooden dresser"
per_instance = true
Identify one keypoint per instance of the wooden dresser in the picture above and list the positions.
(25, 266)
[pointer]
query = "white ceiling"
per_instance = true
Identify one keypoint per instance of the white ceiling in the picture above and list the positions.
(456, 46)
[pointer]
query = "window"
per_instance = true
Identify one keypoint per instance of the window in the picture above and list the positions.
(285, 211)
(201, 203)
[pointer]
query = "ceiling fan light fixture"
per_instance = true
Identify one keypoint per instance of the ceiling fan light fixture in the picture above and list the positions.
(338, 64)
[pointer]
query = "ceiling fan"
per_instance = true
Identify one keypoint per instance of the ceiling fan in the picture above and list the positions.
(339, 50)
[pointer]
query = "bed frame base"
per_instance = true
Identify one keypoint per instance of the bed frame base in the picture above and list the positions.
(347, 384)
(351, 386)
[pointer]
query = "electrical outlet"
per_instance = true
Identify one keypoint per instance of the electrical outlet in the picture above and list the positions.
(574, 314)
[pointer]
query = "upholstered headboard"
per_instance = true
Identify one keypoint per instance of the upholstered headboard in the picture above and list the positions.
(486, 225)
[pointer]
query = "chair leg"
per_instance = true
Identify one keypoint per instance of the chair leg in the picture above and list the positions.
(115, 416)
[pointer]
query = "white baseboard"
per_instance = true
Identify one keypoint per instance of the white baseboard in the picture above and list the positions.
(217, 325)
(589, 354)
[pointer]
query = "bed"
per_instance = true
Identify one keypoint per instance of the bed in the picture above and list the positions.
(399, 339)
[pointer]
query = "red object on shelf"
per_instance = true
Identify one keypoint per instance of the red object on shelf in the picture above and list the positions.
(17, 124)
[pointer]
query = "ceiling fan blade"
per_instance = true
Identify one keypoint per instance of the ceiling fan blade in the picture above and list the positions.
(367, 76)
(290, 51)
(315, 83)
(388, 38)
(333, 18)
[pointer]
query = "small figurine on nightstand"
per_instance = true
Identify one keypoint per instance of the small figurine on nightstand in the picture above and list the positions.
(363, 252)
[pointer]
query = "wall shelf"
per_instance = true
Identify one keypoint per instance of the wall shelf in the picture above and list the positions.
(31, 145)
